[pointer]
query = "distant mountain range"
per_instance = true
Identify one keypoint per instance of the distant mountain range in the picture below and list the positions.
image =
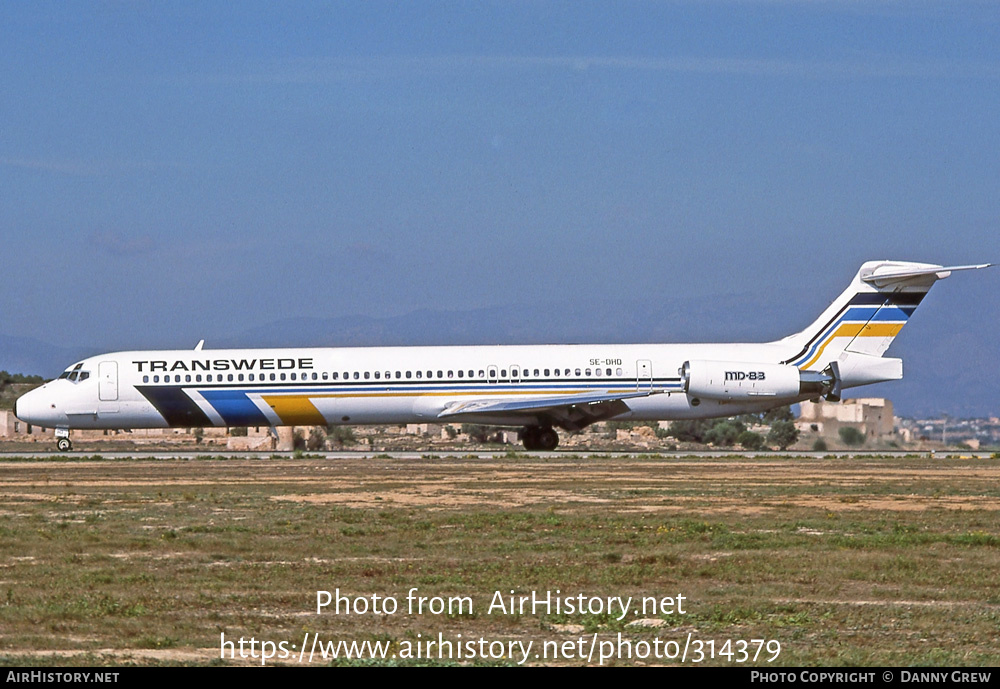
(950, 359)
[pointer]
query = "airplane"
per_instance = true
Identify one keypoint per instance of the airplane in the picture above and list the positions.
(539, 388)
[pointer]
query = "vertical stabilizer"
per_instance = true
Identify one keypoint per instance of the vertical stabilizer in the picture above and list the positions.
(869, 314)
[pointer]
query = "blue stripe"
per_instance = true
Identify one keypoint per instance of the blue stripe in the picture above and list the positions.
(235, 407)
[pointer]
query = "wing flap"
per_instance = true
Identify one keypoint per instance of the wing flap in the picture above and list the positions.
(571, 412)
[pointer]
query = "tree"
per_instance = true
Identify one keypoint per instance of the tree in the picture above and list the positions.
(691, 431)
(851, 436)
(750, 440)
(782, 434)
(19, 379)
(317, 438)
(482, 434)
(341, 435)
(777, 414)
(724, 433)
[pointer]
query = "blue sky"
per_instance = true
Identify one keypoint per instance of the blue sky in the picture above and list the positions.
(172, 171)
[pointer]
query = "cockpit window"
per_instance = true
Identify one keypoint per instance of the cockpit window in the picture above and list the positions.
(75, 374)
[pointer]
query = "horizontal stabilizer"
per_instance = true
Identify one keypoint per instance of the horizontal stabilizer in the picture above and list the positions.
(887, 274)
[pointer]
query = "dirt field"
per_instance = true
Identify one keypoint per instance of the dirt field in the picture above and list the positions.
(828, 561)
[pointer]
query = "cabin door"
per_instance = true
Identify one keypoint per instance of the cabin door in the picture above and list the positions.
(107, 384)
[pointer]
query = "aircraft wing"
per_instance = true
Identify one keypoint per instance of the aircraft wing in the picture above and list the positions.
(571, 412)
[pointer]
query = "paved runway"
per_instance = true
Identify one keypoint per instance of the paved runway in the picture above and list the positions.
(480, 454)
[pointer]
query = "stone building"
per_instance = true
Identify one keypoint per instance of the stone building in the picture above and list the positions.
(873, 416)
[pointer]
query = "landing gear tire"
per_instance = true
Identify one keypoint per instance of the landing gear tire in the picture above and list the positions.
(548, 439)
(64, 445)
(538, 438)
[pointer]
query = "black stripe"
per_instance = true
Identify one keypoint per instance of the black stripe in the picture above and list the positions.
(178, 409)
(892, 298)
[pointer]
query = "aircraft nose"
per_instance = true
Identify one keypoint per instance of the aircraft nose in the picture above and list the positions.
(28, 408)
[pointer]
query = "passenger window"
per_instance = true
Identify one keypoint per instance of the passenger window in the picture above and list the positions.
(408, 374)
(156, 379)
(367, 375)
(230, 377)
(577, 371)
(293, 377)
(197, 378)
(145, 379)
(272, 376)
(546, 372)
(420, 374)
(357, 375)
(451, 374)
(378, 374)
(283, 376)
(461, 373)
(187, 378)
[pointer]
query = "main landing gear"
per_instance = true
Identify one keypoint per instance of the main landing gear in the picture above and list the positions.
(539, 438)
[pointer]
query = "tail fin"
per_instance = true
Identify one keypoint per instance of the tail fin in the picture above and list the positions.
(869, 314)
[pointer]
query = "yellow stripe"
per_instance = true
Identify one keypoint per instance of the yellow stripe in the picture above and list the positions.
(295, 411)
(853, 330)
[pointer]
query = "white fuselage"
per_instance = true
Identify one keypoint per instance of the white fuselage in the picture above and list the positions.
(321, 386)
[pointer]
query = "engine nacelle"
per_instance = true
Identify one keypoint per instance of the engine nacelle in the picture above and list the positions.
(741, 380)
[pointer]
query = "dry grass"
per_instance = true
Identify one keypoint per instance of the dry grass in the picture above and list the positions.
(864, 561)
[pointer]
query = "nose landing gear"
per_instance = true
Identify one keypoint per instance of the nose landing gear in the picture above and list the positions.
(63, 443)
(539, 438)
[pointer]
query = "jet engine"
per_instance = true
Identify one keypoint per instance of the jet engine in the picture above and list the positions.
(749, 381)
